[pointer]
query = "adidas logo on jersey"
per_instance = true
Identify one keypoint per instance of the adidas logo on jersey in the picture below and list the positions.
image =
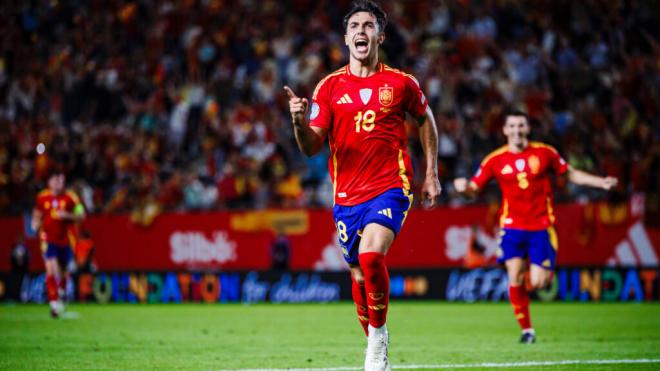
(507, 170)
(387, 212)
(345, 99)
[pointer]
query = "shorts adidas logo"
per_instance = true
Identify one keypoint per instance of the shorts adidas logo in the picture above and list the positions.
(387, 212)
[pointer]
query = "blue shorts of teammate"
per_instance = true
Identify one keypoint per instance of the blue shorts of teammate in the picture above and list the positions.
(539, 246)
(62, 253)
(388, 209)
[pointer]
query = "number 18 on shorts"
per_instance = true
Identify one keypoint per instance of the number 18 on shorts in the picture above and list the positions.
(389, 209)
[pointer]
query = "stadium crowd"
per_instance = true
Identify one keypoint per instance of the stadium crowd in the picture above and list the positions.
(178, 105)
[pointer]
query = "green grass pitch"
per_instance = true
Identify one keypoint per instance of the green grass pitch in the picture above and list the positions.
(235, 336)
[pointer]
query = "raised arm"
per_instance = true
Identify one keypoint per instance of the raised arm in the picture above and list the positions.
(309, 138)
(471, 187)
(428, 135)
(583, 178)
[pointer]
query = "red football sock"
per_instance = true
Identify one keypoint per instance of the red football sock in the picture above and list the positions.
(520, 302)
(377, 286)
(360, 300)
(51, 287)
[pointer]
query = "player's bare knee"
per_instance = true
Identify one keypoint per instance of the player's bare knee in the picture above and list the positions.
(539, 283)
(516, 278)
(357, 275)
(516, 281)
(376, 238)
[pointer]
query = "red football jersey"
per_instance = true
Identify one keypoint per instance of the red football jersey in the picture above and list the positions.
(524, 179)
(54, 230)
(365, 119)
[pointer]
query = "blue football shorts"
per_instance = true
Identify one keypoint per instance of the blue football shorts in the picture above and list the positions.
(388, 209)
(62, 253)
(539, 246)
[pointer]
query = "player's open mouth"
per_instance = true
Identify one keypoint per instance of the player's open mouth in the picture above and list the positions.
(362, 45)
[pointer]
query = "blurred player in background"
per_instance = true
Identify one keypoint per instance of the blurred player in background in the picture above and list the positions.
(55, 214)
(85, 251)
(362, 108)
(522, 169)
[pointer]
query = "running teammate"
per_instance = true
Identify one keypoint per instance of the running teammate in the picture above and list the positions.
(522, 169)
(55, 213)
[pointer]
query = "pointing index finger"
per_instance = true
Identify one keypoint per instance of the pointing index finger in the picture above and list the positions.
(290, 92)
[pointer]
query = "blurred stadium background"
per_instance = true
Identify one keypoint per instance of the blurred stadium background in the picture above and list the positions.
(171, 124)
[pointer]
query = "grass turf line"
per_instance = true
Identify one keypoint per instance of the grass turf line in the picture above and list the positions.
(234, 336)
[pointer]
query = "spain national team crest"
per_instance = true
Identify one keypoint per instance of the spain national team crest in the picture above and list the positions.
(386, 95)
(534, 164)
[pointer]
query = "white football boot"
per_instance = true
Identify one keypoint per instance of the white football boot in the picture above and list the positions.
(376, 357)
(55, 308)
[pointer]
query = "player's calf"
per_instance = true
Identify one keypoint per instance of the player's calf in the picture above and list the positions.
(540, 278)
(520, 302)
(52, 291)
(360, 300)
(377, 286)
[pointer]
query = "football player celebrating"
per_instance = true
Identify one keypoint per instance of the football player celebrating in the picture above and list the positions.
(55, 212)
(522, 169)
(362, 109)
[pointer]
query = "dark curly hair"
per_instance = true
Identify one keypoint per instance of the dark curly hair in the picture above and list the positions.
(369, 7)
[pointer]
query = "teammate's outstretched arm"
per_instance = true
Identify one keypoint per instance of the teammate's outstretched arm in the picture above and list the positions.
(580, 177)
(309, 138)
(428, 134)
(465, 186)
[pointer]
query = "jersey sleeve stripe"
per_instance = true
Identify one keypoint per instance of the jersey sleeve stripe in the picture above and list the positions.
(74, 197)
(543, 145)
(388, 68)
(45, 192)
(340, 71)
(494, 153)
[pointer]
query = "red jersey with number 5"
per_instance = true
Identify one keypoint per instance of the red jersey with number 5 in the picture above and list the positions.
(365, 118)
(53, 229)
(524, 179)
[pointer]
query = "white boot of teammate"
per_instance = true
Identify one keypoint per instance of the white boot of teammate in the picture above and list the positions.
(377, 342)
(55, 308)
